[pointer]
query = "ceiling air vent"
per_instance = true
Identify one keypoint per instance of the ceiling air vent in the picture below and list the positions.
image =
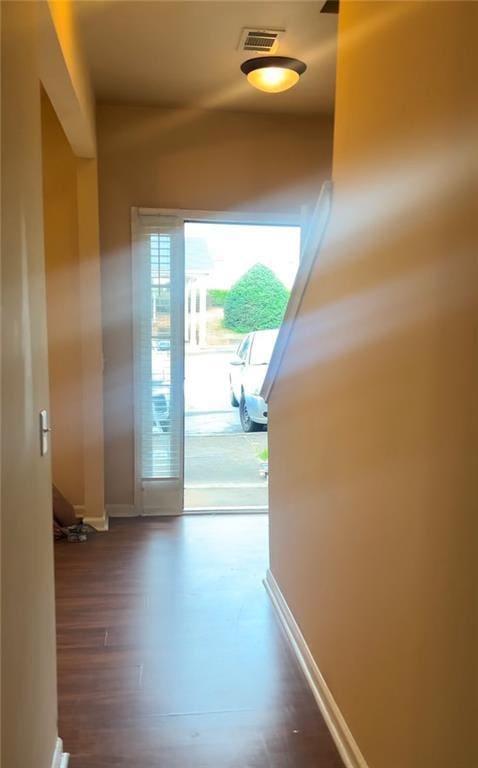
(262, 40)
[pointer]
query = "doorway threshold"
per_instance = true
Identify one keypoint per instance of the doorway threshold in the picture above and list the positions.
(226, 495)
(245, 510)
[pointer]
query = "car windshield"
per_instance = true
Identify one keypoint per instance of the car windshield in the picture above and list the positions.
(262, 346)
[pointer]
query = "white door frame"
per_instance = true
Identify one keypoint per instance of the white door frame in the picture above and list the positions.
(184, 216)
(171, 488)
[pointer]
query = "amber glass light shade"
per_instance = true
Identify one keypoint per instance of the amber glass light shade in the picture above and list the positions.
(273, 74)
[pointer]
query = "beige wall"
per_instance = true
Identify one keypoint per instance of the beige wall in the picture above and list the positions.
(185, 159)
(72, 262)
(91, 340)
(372, 441)
(65, 76)
(60, 210)
(28, 622)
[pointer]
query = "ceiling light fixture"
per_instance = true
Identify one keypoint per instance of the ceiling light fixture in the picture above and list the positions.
(273, 74)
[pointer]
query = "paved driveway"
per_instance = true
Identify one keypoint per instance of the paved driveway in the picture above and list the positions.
(222, 463)
(207, 399)
(209, 423)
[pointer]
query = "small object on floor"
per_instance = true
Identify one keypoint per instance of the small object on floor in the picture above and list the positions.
(76, 534)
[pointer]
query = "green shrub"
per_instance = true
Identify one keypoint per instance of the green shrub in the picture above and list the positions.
(256, 302)
(216, 297)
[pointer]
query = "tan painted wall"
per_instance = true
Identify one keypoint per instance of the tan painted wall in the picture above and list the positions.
(185, 159)
(72, 261)
(28, 623)
(65, 76)
(372, 441)
(66, 26)
(91, 339)
(60, 209)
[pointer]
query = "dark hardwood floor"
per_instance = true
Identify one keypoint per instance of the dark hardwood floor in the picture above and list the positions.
(170, 656)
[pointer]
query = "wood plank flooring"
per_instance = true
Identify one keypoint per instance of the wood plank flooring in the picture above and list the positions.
(170, 656)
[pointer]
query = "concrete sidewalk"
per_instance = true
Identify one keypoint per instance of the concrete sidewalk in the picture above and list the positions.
(223, 470)
(209, 423)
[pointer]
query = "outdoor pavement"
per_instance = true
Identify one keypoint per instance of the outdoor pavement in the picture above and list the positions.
(207, 380)
(224, 470)
(222, 464)
(208, 423)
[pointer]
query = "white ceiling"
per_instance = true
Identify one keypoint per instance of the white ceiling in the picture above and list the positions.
(185, 53)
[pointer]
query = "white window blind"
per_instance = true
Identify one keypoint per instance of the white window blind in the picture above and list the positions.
(158, 286)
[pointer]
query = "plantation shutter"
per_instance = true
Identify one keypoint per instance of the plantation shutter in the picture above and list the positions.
(158, 269)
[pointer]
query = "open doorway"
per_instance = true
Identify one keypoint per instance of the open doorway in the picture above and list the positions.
(237, 283)
(209, 294)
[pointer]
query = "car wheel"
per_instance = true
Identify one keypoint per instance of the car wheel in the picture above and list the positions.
(248, 425)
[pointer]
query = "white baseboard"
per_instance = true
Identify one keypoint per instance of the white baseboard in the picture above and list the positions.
(60, 759)
(335, 721)
(121, 510)
(98, 523)
(129, 510)
(247, 510)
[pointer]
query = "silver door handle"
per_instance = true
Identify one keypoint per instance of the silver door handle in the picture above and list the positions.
(45, 429)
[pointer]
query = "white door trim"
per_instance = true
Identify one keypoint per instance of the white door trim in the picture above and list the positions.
(188, 215)
(138, 216)
(184, 216)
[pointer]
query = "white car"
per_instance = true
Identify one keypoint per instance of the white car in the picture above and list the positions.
(246, 376)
